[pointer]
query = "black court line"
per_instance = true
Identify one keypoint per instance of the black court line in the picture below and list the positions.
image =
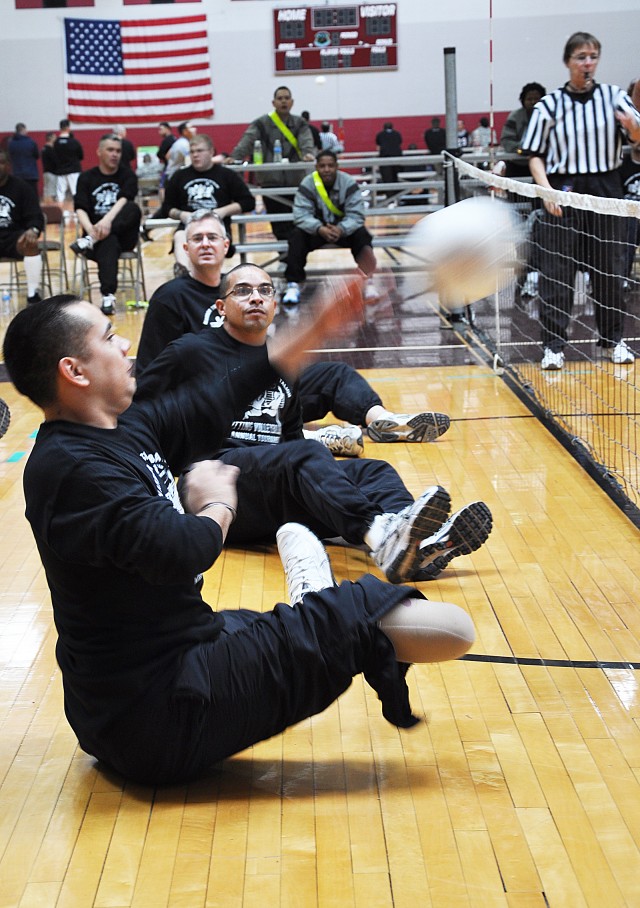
(552, 663)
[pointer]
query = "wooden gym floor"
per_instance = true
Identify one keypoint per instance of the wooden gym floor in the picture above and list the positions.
(521, 787)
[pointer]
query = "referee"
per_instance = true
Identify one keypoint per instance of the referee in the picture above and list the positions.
(574, 140)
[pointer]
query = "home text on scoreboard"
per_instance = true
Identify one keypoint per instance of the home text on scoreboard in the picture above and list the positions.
(335, 38)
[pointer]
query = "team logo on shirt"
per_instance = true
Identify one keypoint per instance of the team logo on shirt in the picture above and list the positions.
(261, 422)
(201, 193)
(163, 478)
(6, 211)
(105, 197)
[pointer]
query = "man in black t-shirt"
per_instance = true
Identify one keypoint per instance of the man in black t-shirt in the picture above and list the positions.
(157, 685)
(21, 223)
(108, 214)
(187, 303)
(205, 183)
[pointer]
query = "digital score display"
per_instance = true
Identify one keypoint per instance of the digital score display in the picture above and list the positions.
(330, 39)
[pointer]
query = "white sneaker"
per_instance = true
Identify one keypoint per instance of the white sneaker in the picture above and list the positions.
(551, 360)
(620, 354)
(306, 564)
(398, 554)
(108, 306)
(292, 294)
(342, 441)
(463, 533)
(409, 427)
(81, 245)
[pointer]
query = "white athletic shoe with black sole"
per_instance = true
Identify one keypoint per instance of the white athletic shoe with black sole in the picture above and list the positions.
(342, 441)
(398, 555)
(306, 564)
(409, 427)
(463, 533)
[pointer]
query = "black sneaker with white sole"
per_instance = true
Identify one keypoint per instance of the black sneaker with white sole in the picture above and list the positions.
(463, 533)
(398, 555)
(409, 427)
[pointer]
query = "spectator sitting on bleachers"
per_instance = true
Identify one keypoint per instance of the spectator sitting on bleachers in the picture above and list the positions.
(328, 209)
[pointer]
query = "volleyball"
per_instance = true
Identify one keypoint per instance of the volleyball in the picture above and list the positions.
(465, 246)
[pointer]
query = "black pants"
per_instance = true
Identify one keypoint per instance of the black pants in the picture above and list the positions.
(301, 244)
(264, 673)
(336, 388)
(125, 230)
(582, 241)
(301, 481)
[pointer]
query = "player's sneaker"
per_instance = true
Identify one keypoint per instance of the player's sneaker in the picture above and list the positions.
(398, 554)
(463, 533)
(81, 245)
(291, 295)
(552, 360)
(108, 306)
(620, 354)
(342, 441)
(409, 427)
(306, 564)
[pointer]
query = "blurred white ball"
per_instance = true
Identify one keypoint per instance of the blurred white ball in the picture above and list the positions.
(465, 247)
(320, 80)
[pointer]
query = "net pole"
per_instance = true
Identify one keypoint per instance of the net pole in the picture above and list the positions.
(451, 109)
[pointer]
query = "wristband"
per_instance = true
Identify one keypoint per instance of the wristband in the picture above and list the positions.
(222, 504)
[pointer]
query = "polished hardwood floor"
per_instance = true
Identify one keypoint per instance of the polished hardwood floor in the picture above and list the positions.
(521, 786)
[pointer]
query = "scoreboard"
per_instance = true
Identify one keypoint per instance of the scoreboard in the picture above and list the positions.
(335, 38)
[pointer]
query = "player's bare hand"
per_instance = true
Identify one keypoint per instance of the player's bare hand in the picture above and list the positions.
(207, 481)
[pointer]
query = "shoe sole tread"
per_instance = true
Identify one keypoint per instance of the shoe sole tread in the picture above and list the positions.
(470, 528)
(433, 513)
(423, 427)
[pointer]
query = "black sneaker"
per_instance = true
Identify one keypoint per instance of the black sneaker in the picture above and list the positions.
(81, 245)
(108, 306)
(34, 298)
(463, 533)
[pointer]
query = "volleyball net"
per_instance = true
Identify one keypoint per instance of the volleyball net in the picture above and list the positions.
(585, 262)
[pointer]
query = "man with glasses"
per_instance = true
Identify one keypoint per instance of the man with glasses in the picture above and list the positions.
(574, 143)
(187, 303)
(285, 477)
(205, 183)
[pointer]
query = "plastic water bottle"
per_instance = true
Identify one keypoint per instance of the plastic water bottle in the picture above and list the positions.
(258, 157)
(6, 302)
(277, 152)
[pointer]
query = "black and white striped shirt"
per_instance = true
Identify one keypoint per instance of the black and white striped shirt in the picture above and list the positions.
(578, 133)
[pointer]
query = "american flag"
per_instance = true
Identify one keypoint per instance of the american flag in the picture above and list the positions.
(138, 70)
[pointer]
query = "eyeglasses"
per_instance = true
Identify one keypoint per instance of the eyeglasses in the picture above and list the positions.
(245, 291)
(582, 58)
(199, 238)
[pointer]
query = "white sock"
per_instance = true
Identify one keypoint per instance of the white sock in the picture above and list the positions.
(33, 272)
(375, 534)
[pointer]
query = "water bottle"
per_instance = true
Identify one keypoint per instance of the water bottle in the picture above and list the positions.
(258, 157)
(277, 152)
(6, 302)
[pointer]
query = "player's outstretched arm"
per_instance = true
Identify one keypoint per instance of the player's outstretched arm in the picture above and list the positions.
(337, 305)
